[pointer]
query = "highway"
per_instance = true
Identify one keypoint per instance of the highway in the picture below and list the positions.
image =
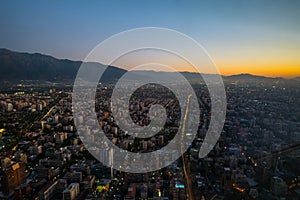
(48, 113)
(186, 168)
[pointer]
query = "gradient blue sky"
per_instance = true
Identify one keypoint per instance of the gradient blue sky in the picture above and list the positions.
(250, 36)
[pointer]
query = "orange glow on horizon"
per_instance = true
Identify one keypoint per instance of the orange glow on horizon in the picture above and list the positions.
(285, 72)
(257, 59)
(280, 66)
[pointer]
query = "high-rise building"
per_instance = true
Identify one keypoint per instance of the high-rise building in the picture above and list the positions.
(107, 156)
(227, 181)
(48, 191)
(10, 107)
(23, 191)
(53, 190)
(278, 186)
(71, 192)
(12, 177)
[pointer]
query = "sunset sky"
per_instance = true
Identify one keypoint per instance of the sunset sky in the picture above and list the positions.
(258, 37)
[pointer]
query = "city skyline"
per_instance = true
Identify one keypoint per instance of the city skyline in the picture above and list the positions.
(260, 38)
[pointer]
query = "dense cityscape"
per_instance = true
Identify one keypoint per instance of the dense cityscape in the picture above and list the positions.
(150, 100)
(257, 156)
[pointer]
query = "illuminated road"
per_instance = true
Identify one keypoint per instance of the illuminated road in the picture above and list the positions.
(215, 196)
(48, 113)
(186, 172)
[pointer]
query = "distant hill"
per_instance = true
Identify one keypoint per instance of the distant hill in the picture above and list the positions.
(297, 78)
(15, 66)
(246, 77)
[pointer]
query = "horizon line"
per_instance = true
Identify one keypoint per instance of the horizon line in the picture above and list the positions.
(181, 71)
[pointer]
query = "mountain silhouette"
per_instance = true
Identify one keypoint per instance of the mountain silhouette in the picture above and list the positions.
(16, 66)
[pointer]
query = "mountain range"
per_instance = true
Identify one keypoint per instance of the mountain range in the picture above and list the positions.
(16, 66)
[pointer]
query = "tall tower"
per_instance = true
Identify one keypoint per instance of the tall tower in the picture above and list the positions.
(111, 162)
(227, 181)
(43, 124)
